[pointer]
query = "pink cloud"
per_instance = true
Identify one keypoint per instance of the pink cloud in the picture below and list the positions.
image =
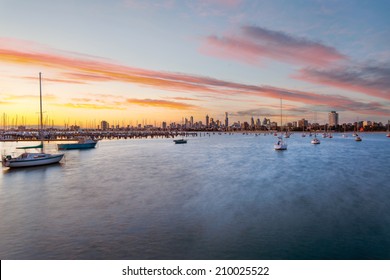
(255, 44)
(372, 80)
(161, 103)
(95, 70)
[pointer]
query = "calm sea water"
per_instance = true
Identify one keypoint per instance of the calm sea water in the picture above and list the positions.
(217, 197)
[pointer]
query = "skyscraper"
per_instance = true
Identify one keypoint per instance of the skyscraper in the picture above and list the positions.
(207, 121)
(333, 118)
(226, 120)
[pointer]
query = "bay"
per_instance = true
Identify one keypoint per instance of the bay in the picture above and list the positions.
(216, 197)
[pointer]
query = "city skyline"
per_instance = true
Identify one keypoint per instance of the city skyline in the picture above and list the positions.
(129, 61)
(194, 124)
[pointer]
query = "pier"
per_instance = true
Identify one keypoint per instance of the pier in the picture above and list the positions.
(63, 135)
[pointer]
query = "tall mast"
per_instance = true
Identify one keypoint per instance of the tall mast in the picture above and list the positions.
(40, 109)
(281, 115)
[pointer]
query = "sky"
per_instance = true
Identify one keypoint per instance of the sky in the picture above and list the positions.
(145, 61)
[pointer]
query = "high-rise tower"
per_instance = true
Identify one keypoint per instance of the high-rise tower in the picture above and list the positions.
(333, 118)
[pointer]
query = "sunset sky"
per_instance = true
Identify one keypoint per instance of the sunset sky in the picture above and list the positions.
(138, 61)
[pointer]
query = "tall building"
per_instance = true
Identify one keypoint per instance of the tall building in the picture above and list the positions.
(207, 121)
(333, 118)
(226, 120)
(105, 125)
(303, 123)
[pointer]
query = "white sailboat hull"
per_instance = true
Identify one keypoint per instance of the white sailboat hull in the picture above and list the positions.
(32, 159)
(280, 146)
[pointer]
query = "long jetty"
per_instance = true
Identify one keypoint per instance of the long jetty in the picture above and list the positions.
(64, 135)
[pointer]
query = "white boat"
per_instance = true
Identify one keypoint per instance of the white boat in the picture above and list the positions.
(33, 159)
(280, 144)
(315, 140)
(355, 130)
(358, 138)
(345, 135)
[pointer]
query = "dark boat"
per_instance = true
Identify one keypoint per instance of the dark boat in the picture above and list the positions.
(80, 145)
(180, 141)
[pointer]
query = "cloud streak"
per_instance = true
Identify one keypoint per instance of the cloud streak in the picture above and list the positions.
(161, 103)
(95, 70)
(373, 80)
(254, 44)
(91, 106)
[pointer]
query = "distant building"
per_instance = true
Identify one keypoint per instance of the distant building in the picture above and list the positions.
(303, 123)
(104, 125)
(226, 120)
(333, 118)
(207, 121)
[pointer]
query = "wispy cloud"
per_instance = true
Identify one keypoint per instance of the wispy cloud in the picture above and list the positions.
(95, 70)
(184, 98)
(161, 103)
(147, 4)
(373, 80)
(254, 44)
(66, 81)
(273, 111)
(24, 97)
(91, 106)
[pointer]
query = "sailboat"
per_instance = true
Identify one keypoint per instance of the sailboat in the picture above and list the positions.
(356, 135)
(355, 129)
(280, 144)
(388, 129)
(33, 159)
(345, 135)
(315, 140)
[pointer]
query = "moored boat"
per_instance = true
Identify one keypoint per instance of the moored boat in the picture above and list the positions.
(180, 141)
(81, 144)
(280, 144)
(31, 159)
(315, 140)
(28, 159)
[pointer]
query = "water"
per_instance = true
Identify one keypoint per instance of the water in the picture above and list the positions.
(217, 197)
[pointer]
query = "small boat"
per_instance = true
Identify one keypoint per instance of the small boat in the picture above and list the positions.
(315, 140)
(83, 143)
(280, 145)
(358, 138)
(180, 141)
(28, 159)
(388, 129)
